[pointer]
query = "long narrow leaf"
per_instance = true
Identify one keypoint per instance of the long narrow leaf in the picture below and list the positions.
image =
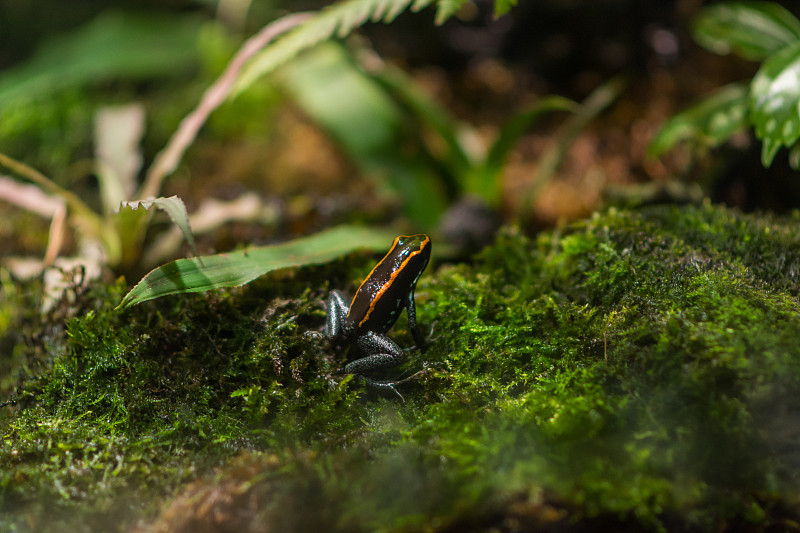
(551, 160)
(173, 206)
(712, 120)
(774, 101)
(237, 268)
(113, 45)
(517, 125)
(430, 114)
(338, 19)
(485, 179)
(753, 30)
(333, 91)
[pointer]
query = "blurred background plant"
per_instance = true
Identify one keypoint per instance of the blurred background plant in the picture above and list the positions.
(756, 31)
(449, 129)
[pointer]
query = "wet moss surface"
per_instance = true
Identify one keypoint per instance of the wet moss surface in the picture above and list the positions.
(639, 370)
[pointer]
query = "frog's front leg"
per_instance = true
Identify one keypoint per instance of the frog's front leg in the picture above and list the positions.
(411, 311)
(336, 309)
(379, 352)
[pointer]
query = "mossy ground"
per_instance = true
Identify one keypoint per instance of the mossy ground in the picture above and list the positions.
(639, 370)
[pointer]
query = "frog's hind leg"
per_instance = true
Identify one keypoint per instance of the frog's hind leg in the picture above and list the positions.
(336, 310)
(383, 353)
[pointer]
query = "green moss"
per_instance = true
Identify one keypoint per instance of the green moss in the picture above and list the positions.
(639, 369)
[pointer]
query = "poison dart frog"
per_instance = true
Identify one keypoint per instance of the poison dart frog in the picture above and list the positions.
(376, 306)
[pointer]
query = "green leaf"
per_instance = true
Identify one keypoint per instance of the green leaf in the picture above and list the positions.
(173, 206)
(712, 121)
(501, 7)
(769, 149)
(447, 8)
(432, 115)
(336, 94)
(775, 100)
(333, 90)
(239, 267)
(338, 19)
(753, 30)
(550, 161)
(113, 45)
(485, 179)
(474, 173)
(515, 127)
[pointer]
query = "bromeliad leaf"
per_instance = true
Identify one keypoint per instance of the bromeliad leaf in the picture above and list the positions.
(103, 50)
(753, 30)
(484, 177)
(512, 130)
(501, 7)
(338, 19)
(330, 88)
(447, 8)
(712, 120)
(774, 101)
(173, 206)
(237, 268)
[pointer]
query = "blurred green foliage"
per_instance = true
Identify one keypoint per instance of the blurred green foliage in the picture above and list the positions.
(357, 113)
(47, 101)
(758, 31)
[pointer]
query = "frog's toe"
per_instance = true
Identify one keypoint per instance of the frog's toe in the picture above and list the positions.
(383, 386)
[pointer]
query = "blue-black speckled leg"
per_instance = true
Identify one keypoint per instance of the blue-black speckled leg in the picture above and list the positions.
(382, 352)
(337, 309)
(411, 311)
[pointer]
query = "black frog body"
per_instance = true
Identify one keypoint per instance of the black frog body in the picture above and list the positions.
(378, 302)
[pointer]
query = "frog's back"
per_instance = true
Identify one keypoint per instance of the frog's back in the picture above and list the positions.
(385, 292)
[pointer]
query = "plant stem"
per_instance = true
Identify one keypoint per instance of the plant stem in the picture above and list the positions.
(168, 159)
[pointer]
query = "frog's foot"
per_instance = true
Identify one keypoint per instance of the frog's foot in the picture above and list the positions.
(415, 375)
(383, 386)
(423, 343)
(382, 352)
(430, 338)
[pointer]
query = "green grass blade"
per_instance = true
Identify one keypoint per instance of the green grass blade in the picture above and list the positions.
(511, 131)
(338, 19)
(711, 121)
(549, 163)
(242, 266)
(774, 101)
(336, 93)
(401, 86)
(175, 209)
(113, 45)
(752, 30)
(484, 179)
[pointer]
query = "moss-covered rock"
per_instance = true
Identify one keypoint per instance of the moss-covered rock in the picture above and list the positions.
(639, 370)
